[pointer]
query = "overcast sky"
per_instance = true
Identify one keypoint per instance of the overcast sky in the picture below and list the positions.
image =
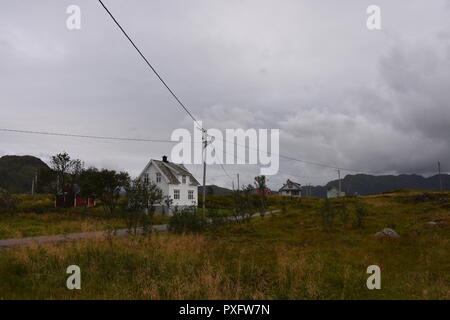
(376, 101)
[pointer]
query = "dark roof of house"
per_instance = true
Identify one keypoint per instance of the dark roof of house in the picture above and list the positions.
(172, 170)
(290, 185)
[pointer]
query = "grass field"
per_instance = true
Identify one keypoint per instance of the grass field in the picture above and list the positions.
(22, 225)
(36, 216)
(290, 255)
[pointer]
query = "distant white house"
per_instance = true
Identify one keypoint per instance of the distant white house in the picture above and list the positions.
(174, 180)
(291, 188)
(333, 192)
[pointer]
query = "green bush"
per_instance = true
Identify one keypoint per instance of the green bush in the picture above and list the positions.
(187, 220)
(215, 219)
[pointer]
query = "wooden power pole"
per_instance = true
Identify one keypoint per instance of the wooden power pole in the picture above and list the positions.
(205, 143)
(34, 184)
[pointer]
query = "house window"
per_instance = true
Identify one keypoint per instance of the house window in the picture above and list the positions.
(176, 194)
(158, 177)
(183, 179)
(146, 178)
(191, 194)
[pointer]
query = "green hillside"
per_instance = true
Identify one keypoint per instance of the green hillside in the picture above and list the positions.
(17, 172)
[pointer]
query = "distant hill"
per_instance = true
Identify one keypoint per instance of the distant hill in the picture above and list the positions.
(213, 189)
(364, 184)
(17, 172)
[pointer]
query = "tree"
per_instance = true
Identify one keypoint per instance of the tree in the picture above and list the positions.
(168, 201)
(88, 182)
(62, 165)
(243, 205)
(261, 187)
(105, 185)
(76, 170)
(142, 198)
(46, 181)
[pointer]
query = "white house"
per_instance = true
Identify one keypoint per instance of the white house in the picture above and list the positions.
(291, 188)
(174, 180)
(333, 192)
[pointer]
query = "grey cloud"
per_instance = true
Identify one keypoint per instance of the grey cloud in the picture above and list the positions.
(339, 93)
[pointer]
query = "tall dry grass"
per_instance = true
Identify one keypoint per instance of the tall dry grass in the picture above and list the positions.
(286, 256)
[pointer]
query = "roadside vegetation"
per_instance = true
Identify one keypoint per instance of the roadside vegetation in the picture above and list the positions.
(311, 249)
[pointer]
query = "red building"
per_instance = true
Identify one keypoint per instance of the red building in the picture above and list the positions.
(70, 197)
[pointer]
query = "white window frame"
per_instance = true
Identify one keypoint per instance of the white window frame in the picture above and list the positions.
(183, 179)
(146, 178)
(158, 177)
(190, 194)
(176, 194)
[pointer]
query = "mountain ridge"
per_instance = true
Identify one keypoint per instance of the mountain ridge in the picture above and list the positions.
(17, 172)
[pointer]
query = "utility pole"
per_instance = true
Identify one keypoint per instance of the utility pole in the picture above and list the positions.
(205, 143)
(339, 178)
(35, 182)
(440, 176)
(238, 186)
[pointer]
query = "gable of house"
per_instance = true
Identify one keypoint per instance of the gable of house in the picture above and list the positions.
(290, 186)
(170, 172)
(174, 180)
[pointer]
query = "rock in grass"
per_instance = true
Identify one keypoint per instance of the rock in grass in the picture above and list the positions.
(432, 223)
(387, 232)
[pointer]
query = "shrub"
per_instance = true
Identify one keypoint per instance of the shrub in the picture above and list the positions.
(215, 219)
(243, 205)
(187, 220)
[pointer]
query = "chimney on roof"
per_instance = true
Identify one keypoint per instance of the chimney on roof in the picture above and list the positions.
(165, 159)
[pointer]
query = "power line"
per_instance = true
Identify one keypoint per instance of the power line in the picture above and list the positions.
(168, 141)
(190, 114)
(150, 65)
(86, 136)
(301, 160)
(260, 166)
(221, 164)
